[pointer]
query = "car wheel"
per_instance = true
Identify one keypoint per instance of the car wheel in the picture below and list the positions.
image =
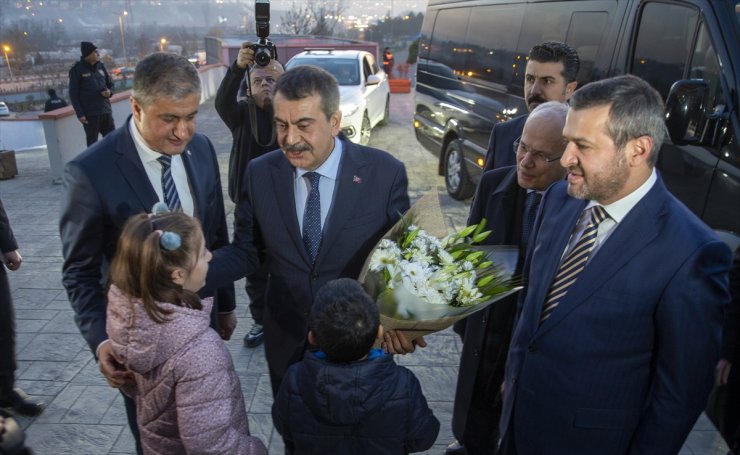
(456, 177)
(366, 129)
(386, 112)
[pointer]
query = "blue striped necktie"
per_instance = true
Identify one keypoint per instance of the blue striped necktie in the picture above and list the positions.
(169, 189)
(574, 262)
(312, 217)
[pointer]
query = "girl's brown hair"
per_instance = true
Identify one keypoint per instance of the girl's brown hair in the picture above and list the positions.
(142, 268)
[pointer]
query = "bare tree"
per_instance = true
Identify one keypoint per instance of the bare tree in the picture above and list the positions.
(299, 20)
(326, 16)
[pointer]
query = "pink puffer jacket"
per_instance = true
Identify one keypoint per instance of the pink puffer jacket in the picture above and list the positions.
(188, 397)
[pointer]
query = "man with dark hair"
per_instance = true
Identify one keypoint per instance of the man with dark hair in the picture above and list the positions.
(344, 396)
(550, 75)
(314, 209)
(90, 89)
(155, 156)
(508, 198)
(54, 102)
(619, 331)
(388, 62)
(250, 122)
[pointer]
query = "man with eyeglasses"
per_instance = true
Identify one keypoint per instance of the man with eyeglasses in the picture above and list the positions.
(508, 199)
(550, 75)
(250, 122)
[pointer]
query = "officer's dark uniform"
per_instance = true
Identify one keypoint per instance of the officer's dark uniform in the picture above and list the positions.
(86, 84)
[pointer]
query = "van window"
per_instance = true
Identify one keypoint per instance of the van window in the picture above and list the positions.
(664, 38)
(584, 35)
(492, 36)
(448, 40)
(704, 65)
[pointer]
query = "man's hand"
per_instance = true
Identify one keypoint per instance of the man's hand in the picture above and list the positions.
(106, 93)
(246, 56)
(12, 260)
(722, 372)
(111, 366)
(395, 342)
(82, 120)
(226, 324)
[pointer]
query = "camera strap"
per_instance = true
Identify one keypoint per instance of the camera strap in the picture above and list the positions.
(253, 122)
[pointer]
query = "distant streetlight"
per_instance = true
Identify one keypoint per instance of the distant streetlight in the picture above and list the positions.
(7, 49)
(123, 36)
(162, 42)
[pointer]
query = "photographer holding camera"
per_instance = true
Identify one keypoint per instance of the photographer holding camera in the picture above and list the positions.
(250, 122)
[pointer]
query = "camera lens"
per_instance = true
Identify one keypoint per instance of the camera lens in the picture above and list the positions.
(262, 56)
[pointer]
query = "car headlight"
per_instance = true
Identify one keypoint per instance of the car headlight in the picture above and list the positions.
(349, 109)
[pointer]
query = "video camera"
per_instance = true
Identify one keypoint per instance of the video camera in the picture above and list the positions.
(264, 50)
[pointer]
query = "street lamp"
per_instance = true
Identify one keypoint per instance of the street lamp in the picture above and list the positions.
(7, 49)
(162, 42)
(123, 36)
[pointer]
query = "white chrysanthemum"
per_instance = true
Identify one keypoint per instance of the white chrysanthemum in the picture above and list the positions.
(385, 258)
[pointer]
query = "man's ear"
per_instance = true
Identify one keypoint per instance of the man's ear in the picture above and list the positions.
(639, 150)
(335, 121)
(312, 338)
(570, 87)
(380, 332)
(135, 108)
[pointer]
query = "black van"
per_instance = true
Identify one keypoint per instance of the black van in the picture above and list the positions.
(470, 75)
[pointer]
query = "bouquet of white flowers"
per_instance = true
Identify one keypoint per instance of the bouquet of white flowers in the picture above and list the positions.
(424, 282)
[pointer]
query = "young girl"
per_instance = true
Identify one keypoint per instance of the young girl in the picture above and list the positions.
(188, 397)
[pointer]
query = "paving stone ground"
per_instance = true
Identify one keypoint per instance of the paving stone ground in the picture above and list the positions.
(85, 416)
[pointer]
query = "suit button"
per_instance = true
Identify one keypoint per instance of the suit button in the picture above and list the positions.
(513, 380)
(532, 348)
(475, 353)
(314, 275)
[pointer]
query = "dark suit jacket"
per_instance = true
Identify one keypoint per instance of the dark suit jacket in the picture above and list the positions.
(500, 144)
(625, 363)
(105, 185)
(370, 195)
(7, 315)
(500, 200)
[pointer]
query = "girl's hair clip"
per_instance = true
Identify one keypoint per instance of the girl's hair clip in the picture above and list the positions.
(159, 208)
(169, 240)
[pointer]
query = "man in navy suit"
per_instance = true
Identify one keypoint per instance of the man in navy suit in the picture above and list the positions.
(619, 331)
(550, 75)
(508, 199)
(122, 175)
(312, 210)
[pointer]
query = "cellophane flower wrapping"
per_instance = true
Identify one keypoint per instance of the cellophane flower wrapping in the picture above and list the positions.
(424, 279)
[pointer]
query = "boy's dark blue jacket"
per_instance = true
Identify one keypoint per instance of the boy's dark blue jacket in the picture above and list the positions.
(371, 406)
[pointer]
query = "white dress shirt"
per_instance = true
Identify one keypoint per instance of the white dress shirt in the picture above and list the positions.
(153, 170)
(617, 211)
(328, 171)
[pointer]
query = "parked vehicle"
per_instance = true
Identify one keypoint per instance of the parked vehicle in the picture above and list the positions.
(4, 111)
(364, 91)
(470, 75)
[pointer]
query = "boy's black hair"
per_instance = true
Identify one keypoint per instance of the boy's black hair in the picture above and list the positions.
(344, 320)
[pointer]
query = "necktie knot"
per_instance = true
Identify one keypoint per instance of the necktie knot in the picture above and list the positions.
(313, 179)
(169, 190)
(165, 161)
(598, 214)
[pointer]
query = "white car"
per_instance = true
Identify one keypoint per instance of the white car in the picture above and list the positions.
(4, 111)
(364, 91)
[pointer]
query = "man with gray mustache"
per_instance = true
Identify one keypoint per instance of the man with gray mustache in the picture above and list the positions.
(550, 75)
(311, 212)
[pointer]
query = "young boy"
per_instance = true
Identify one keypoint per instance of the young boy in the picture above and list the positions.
(346, 397)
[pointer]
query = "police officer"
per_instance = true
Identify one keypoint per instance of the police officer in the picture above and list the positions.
(90, 89)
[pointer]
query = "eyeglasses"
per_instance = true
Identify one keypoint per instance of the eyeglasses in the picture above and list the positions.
(536, 155)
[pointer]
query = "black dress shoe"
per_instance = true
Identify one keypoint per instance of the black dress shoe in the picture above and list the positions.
(455, 448)
(253, 338)
(19, 402)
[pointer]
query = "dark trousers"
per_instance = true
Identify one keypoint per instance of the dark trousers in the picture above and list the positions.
(256, 285)
(131, 417)
(7, 335)
(97, 124)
